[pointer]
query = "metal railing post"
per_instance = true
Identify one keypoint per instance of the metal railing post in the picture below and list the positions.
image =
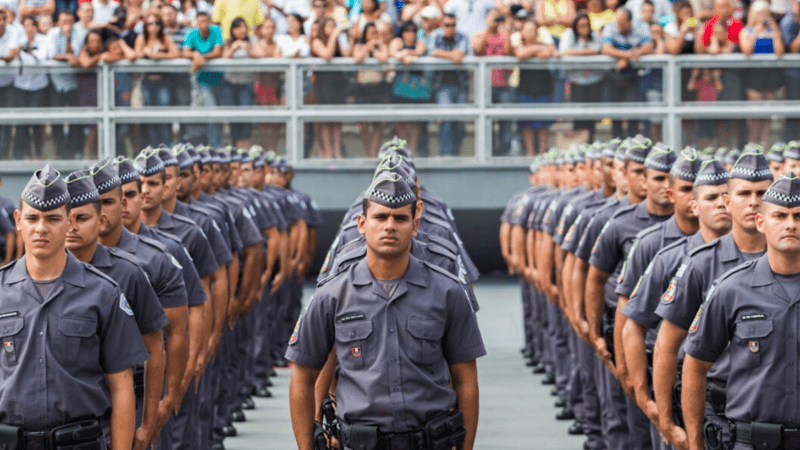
(483, 135)
(105, 89)
(672, 92)
(293, 97)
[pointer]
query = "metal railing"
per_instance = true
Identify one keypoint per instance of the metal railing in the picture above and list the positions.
(480, 110)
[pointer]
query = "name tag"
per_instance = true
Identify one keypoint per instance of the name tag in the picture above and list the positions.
(754, 316)
(9, 314)
(352, 318)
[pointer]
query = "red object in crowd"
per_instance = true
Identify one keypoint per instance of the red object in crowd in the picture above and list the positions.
(732, 25)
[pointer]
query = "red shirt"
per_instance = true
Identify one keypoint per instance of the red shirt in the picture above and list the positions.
(733, 25)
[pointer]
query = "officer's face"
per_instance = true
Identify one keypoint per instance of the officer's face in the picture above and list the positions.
(112, 204)
(621, 180)
(658, 187)
(152, 192)
(234, 173)
(246, 175)
(607, 172)
(131, 204)
(206, 177)
(681, 194)
(171, 183)
(791, 165)
(86, 226)
(258, 176)
(634, 172)
(388, 231)
(185, 184)
(744, 200)
(781, 226)
(218, 174)
(580, 172)
(776, 168)
(43, 232)
(709, 207)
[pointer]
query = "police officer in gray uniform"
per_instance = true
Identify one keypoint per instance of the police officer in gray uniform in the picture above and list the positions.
(69, 337)
(125, 269)
(752, 312)
(401, 328)
(747, 181)
(775, 158)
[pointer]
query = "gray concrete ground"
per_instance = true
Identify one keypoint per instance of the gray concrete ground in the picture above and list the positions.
(516, 410)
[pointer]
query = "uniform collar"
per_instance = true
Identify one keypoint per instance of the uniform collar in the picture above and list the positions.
(182, 208)
(165, 221)
(727, 248)
(72, 274)
(671, 229)
(102, 257)
(641, 210)
(762, 274)
(414, 275)
(127, 241)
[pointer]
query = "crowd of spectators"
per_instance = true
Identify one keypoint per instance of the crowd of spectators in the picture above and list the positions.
(84, 32)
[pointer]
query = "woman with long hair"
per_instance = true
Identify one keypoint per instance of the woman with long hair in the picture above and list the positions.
(237, 87)
(371, 86)
(586, 85)
(155, 44)
(330, 85)
(268, 85)
(406, 48)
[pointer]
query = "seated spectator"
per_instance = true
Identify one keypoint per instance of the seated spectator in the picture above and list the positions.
(762, 35)
(451, 86)
(585, 85)
(226, 11)
(626, 41)
(494, 41)
(10, 44)
(237, 87)
(409, 86)
(155, 44)
(599, 14)
(188, 9)
(555, 16)
(370, 12)
(790, 29)
(30, 90)
(294, 44)
(470, 15)
(45, 22)
(64, 93)
(649, 11)
(269, 85)
(330, 42)
(371, 85)
(202, 44)
(535, 85)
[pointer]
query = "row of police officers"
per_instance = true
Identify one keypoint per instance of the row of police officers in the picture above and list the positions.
(660, 292)
(152, 300)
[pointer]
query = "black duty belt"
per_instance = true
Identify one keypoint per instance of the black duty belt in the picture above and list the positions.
(766, 436)
(84, 435)
(414, 440)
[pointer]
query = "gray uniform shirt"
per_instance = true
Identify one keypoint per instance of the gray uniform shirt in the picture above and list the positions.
(394, 353)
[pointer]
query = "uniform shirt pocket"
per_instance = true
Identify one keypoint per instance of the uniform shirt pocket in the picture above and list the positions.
(427, 345)
(78, 336)
(751, 341)
(12, 339)
(351, 342)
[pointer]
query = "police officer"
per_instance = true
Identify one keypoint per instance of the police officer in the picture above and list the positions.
(69, 336)
(775, 158)
(791, 157)
(396, 353)
(125, 269)
(747, 182)
(751, 312)
(8, 234)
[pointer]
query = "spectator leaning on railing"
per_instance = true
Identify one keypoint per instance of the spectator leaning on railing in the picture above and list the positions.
(200, 45)
(30, 90)
(371, 86)
(62, 42)
(790, 29)
(10, 44)
(330, 42)
(409, 86)
(586, 85)
(237, 87)
(451, 85)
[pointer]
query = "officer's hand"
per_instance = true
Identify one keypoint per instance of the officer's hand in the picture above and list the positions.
(583, 329)
(552, 295)
(277, 282)
(676, 436)
(165, 407)
(600, 347)
(649, 407)
(141, 438)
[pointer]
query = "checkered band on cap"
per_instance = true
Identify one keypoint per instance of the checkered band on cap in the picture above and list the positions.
(223, 156)
(784, 192)
(711, 173)
(205, 157)
(792, 150)
(244, 156)
(148, 165)
(128, 170)
(636, 152)
(390, 189)
(751, 167)
(46, 190)
(105, 175)
(660, 159)
(686, 165)
(81, 188)
(167, 157)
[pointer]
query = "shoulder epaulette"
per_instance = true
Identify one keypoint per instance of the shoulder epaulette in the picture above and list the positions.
(347, 226)
(436, 221)
(439, 250)
(673, 245)
(97, 271)
(649, 230)
(122, 254)
(438, 269)
(737, 269)
(704, 247)
(153, 243)
(443, 242)
(624, 210)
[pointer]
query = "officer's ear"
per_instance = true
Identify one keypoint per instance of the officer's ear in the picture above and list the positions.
(360, 221)
(695, 208)
(760, 222)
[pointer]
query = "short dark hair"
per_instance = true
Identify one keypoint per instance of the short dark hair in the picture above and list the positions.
(406, 25)
(366, 201)
(202, 13)
(627, 13)
(449, 15)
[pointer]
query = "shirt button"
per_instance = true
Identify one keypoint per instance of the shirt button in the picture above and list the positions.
(392, 360)
(41, 333)
(41, 388)
(353, 334)
(41, 360)
(791, 335)
(391, 330)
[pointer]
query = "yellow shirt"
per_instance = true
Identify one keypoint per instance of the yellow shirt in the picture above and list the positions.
(599, 20)
(554, 9)
(227, 10)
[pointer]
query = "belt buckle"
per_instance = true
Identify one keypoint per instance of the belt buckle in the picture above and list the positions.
(37, 441)
(400, 441)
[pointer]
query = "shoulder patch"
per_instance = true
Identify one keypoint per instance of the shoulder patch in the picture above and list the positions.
(669, 295)
(681, 270)
(124, 305)
(175, 262)
(696, 321)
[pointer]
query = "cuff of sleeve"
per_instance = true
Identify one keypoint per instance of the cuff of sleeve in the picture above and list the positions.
(125, 362)
(600, 265)
(468, 354)
(675, 319)
(700, 353)
(174, 301)
(647, 320)
(154, 325)
(304, 360)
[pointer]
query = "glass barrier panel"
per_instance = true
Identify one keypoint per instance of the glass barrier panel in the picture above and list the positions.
(336, 140)
(721, 84)
(132, 137)
(736, 133)
(376, 85)
(49, 141)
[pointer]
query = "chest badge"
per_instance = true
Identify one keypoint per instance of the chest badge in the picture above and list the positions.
(356, 352)
(754, 346)
(8, 346)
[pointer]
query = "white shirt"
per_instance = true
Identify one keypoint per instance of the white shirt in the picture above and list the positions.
(661, 8)
(10, 40)
(30, 80)
(291, 47)
(470, 14)
(301, 7)
(104, 13)
(13, 5)
(56, 45)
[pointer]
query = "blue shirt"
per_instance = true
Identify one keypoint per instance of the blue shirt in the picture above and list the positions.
(638, 36)
(195, 41)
